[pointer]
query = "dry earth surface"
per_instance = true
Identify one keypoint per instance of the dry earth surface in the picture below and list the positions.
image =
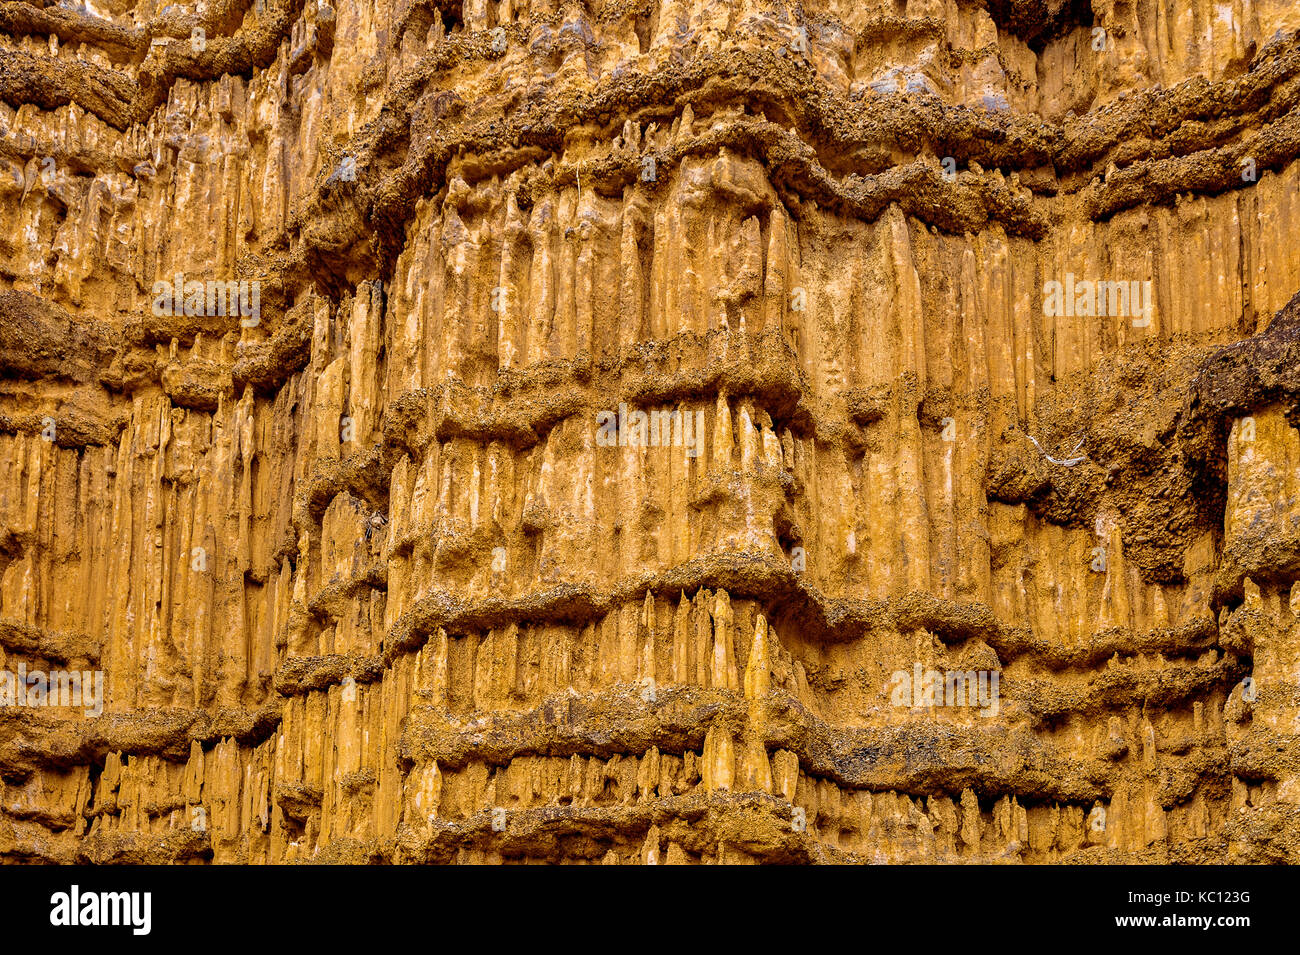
(634, 426)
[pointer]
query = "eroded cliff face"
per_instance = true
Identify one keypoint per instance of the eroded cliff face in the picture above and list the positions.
(682, 431)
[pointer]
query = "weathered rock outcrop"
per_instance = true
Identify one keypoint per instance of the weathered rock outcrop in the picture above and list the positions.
(650, 431)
